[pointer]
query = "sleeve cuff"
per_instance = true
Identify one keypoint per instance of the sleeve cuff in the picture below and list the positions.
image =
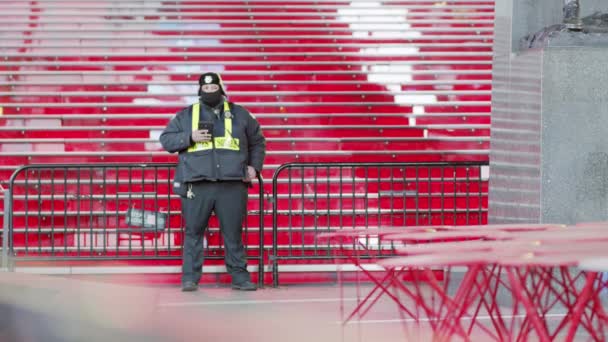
(191, 142)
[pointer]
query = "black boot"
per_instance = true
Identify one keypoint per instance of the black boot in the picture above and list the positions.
(244, 286)
(189, 286)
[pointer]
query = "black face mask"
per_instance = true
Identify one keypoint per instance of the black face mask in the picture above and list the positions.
(211, 99)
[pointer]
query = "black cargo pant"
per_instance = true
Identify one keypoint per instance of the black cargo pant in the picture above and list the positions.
(228, 199)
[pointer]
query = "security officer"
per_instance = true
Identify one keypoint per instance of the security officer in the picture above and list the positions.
(221, 149)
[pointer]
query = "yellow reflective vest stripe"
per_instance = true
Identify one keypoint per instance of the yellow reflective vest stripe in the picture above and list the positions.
(227, 142)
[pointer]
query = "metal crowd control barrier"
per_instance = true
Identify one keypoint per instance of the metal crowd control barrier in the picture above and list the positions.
(108, 212)
(312, 198)
(5, 255)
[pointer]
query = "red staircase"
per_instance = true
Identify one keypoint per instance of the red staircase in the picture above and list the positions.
(330, 81)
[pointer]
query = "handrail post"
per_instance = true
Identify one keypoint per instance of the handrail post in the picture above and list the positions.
(6, 229)
(261, 233)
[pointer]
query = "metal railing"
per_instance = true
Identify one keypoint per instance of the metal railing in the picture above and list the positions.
(79, 212)
(324, 197)
(5, 254)
(107, 212)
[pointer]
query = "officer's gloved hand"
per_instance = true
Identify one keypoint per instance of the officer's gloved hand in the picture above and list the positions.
(251, 173)
(201, 136)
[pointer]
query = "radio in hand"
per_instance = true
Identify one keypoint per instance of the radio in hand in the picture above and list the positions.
(204, 132)
(206, 126)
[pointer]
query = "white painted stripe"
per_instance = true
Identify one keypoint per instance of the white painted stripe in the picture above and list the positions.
(255, 302)
(119, 269)
(328, 268)
(97, 270)
(335, 268)
(411, 320)
(177, 269)
(207, 269)
(43, 270)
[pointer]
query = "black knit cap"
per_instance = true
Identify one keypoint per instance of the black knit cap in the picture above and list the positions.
(211, 78)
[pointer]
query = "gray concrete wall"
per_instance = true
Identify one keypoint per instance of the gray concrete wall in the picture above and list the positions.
(549, 137)
(575, 135)
(548, 154)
